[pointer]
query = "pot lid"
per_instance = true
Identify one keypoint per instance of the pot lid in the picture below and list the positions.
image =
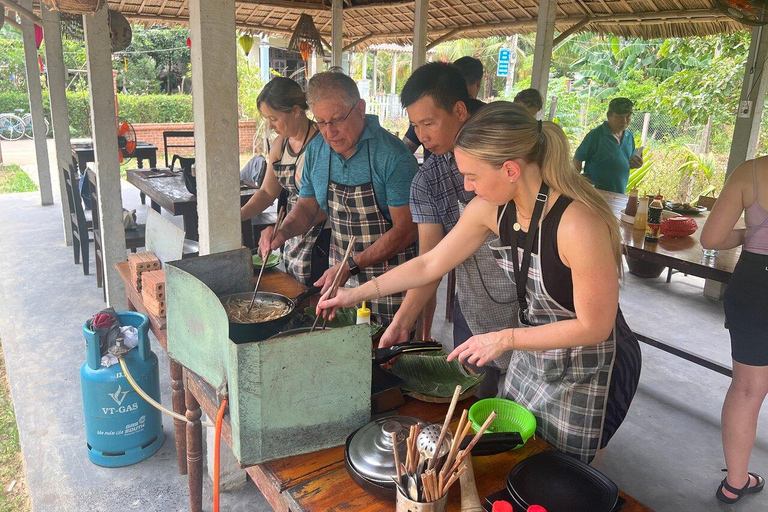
(370, 448)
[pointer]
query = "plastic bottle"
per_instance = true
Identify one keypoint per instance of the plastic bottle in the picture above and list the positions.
(363, 315)
(631, 208)
(653, 229)
(641, 217)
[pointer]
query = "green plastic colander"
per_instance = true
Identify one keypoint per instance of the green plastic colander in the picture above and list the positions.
(512, 417)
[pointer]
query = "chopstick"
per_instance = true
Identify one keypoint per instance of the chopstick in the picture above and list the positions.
(280, 217)
(336, 281)
(397, 456)
(463, 454)
(444, 430)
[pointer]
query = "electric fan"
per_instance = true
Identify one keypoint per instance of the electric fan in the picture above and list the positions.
(126, 140)
(748, 12)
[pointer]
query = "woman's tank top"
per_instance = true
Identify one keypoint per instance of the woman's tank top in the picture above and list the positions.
(756, 219)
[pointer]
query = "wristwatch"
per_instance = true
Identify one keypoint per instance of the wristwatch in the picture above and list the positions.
(353, 268)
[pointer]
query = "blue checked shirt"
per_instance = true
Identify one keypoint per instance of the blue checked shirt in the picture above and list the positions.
(436, 192)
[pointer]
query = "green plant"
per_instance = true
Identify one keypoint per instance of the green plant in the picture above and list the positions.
(637, 176)
(702, 164)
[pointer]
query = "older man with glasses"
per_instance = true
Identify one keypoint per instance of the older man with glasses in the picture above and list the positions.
(360, 175)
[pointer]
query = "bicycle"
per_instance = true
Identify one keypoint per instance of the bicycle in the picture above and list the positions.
(27, 118)
(12, 127)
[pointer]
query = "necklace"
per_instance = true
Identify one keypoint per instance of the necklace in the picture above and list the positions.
(516, 226)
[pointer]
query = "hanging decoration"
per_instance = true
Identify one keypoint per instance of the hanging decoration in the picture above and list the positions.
(189, 42)
(120, 33)
(306, 40)
(246, 43)
(75, 6)
(38, 36)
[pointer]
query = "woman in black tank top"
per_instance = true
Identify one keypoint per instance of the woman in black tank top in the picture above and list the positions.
(575, 363)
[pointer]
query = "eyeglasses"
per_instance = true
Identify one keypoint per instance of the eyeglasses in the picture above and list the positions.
(334, 122)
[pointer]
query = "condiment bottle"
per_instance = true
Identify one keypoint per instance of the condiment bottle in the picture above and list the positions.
(631, 208)
(641, 217)
(363, 315)
(653, 228)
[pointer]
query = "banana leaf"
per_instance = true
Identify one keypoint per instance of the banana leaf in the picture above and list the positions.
(431, 375)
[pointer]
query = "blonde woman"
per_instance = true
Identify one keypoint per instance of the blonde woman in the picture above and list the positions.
(575, 363)
(283, 105)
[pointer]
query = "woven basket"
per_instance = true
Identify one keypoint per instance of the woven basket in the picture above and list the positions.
(75, 6)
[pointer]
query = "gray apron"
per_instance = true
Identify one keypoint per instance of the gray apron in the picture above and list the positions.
(566, 389)
(297, 250)
(353, 210)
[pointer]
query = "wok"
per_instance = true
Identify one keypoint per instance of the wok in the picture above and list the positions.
(259, 331)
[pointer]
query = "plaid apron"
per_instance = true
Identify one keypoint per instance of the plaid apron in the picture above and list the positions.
(566, 389)
(297, 250)
(487, 301)
(353, 210)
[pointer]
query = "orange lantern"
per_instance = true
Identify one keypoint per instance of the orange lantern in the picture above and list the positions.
(306, 50)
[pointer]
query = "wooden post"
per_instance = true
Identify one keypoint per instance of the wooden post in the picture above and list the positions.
(194, 441)
(542, 54)
(57, 91)
(217, 160)
(35, 92)
(750, 111)
(337, 28)
(420, 28)
(99, 60)
(393, 82)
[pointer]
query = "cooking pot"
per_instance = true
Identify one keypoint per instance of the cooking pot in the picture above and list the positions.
(259, 331)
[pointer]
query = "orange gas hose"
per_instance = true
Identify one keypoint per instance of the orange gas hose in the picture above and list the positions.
(217, 454)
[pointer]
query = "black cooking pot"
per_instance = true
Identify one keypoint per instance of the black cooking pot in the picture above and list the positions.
(245, 333)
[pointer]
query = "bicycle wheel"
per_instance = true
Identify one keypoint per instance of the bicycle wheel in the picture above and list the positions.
(28, 130)
(11, 127)
(27, 118)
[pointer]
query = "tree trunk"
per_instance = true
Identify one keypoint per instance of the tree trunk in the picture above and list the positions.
(393, 83)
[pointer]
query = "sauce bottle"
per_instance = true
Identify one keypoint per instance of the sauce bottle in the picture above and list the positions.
(631, 208)
(363, 315)
(641, 217)
(653, 229)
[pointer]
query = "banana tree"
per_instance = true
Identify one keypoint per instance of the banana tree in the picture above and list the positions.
(696, 167)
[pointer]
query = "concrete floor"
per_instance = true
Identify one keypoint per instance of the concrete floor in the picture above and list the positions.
(667, 454)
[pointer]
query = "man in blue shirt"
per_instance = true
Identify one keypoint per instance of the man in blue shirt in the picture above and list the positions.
(360, 176)
(608, 151)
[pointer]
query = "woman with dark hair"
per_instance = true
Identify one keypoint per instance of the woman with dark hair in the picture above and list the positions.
(575, 363)
(531, 100)
(283, 105)
(746, 303)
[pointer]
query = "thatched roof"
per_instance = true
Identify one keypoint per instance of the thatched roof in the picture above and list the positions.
(374, 21)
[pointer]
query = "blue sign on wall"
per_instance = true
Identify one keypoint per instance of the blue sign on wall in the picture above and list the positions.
(505, 56)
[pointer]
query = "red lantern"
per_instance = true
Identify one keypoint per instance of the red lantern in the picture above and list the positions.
(38, 36)
(189, 42)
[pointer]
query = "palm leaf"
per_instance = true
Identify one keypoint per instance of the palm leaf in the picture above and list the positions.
(432, 375)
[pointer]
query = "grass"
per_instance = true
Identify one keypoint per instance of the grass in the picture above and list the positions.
(11, 464)
(13, 179)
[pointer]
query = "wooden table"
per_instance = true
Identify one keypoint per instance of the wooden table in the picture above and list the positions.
(319, 482)
(171, 194)
(82, 152)
(682, 254)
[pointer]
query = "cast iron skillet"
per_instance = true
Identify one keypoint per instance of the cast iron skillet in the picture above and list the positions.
(561, 483)
(244, 333)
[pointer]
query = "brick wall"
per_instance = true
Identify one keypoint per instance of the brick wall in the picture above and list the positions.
(153, 133)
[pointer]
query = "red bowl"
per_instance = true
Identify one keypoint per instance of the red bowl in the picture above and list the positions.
(677, 227)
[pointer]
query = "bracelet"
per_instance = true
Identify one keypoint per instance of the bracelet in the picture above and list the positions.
(512, 339)
(378, 290)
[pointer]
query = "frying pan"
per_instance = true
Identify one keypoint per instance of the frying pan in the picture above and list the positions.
(259, 331)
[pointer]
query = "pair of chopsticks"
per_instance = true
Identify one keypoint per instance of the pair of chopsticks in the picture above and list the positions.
(280, 218)
(336, 281)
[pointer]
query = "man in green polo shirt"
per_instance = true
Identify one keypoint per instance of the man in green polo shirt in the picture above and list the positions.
(608, 151)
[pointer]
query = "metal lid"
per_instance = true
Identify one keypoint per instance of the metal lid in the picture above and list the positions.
(370, 448)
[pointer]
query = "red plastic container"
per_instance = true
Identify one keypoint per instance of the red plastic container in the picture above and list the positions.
(677, 227)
